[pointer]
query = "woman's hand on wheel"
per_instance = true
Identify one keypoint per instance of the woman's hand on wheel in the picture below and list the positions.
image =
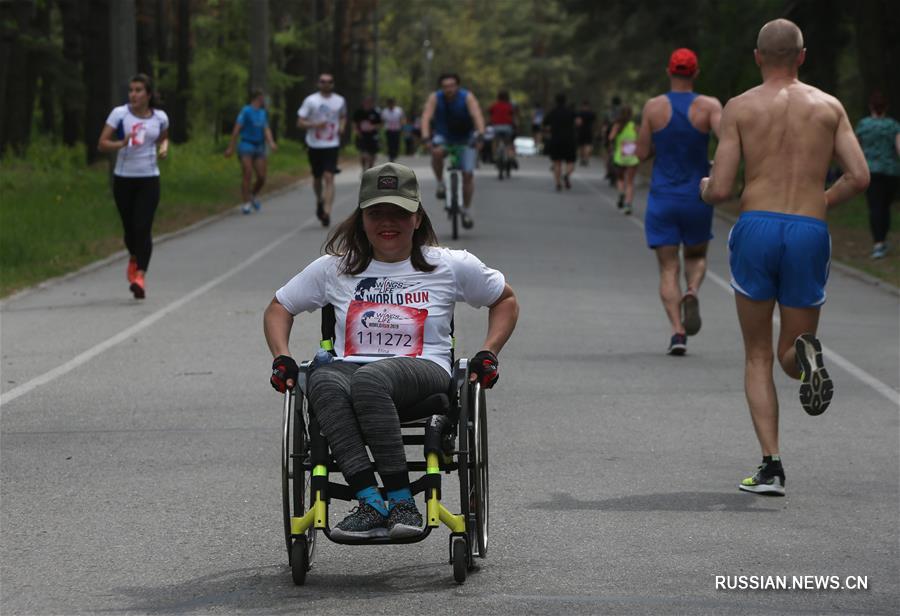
(484, 368)
(284, 373)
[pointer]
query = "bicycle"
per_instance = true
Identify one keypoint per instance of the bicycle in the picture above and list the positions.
(453, 185)
(503, 160)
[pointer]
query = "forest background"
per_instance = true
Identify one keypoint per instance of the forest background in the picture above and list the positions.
(65, 63)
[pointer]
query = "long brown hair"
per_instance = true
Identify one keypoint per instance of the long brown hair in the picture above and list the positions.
(349, 241)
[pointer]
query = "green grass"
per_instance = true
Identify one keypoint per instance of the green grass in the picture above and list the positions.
(57, 215)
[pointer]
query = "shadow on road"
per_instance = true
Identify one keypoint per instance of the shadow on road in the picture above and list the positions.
(270, 590)
(674, 501)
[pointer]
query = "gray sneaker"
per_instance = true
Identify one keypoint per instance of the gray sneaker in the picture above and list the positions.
(364, 522)
(404, 520)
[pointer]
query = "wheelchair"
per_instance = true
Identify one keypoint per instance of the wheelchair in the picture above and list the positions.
(451, 427)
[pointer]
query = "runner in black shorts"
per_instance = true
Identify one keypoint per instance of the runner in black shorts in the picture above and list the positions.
(561, 145)
(366, 122)
(323, 115)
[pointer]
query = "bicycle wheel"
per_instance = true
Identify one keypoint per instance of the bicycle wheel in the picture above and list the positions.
(454, 203)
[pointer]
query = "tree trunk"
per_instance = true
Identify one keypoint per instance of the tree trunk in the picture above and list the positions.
(146, 35)
(71, 94)
(179, 128)
(259, 45)
(19, 57)
(122, 48)
(877, 24)
(96, 70)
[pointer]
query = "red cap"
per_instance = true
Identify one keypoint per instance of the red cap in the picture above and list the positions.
(683, 62)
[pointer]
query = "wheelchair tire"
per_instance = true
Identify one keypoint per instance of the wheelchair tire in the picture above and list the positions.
(295, 481)
(479, 457)
(460, 557)
(299, 561)
(473, 478)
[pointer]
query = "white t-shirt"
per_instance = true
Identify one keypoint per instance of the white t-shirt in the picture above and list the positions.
(391, 309)
(138, 158)
(317, 108)
(392, 118)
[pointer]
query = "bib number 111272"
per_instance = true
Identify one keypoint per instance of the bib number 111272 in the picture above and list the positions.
(384, 330)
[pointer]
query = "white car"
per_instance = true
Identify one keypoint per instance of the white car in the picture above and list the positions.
(525, 146)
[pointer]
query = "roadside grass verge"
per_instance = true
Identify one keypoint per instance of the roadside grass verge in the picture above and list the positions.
(57, 215)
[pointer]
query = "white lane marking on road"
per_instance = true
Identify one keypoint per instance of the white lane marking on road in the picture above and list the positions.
(848, 366)
(146, 322)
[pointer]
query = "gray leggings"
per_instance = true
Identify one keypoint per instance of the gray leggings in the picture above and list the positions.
(356, 405)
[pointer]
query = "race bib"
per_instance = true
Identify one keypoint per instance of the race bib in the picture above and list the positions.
(384, 330)
(629, 148)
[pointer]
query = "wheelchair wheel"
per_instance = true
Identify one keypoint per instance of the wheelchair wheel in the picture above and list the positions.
(299, 561)
(295, 481)
(473, 480)
(460, 556)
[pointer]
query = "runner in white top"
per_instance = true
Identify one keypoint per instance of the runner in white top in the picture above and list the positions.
(323, 115)
(393, 118)
(134, 132)
(137, 158)
(393, 291)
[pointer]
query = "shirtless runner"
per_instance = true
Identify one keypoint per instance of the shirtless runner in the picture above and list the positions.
(787, 132)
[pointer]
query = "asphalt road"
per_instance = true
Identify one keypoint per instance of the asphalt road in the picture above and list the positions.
(139, 441)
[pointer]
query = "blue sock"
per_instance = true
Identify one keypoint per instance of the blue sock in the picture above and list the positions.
(395, 496)
(372, 496)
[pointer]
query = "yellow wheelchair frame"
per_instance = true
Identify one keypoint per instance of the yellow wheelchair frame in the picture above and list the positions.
(455, 439)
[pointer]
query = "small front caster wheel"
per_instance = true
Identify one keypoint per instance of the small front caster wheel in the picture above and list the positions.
(299, 561)
(460, 560)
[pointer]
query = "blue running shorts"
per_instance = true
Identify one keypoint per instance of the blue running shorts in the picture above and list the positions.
(253, 150)
(782, 256)
(672, 221)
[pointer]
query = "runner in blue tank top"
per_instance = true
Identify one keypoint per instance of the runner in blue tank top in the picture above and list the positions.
(675, 129)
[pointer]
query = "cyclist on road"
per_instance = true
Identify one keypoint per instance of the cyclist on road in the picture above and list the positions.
(675, 128)
(383, 265)
(787, 132)
(252, 125)
(503, 120)
(457, 120)
(323, 115)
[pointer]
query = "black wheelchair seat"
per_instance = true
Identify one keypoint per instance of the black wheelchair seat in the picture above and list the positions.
(435, 404)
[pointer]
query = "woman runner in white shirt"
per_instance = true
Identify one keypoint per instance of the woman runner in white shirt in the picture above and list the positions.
(393, 290)
(134, 131)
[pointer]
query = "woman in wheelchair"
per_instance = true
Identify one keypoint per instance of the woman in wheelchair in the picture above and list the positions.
(393, 291)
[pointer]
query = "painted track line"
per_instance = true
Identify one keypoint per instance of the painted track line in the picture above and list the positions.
(833, 357)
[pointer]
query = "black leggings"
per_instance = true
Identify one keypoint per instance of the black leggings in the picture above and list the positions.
(137, 199)
(356, 405)
(880, 193)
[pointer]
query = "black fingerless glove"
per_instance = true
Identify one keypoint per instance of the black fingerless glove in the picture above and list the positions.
(283, 369)
(487, 367)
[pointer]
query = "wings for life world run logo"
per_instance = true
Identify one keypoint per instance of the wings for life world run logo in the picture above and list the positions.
(387, 291)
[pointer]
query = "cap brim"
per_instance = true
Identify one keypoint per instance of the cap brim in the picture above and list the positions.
(410, 205)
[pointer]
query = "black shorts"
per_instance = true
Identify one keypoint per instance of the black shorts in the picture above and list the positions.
(562, 151)
(367, 143)
(323, 160)
(585, 139)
